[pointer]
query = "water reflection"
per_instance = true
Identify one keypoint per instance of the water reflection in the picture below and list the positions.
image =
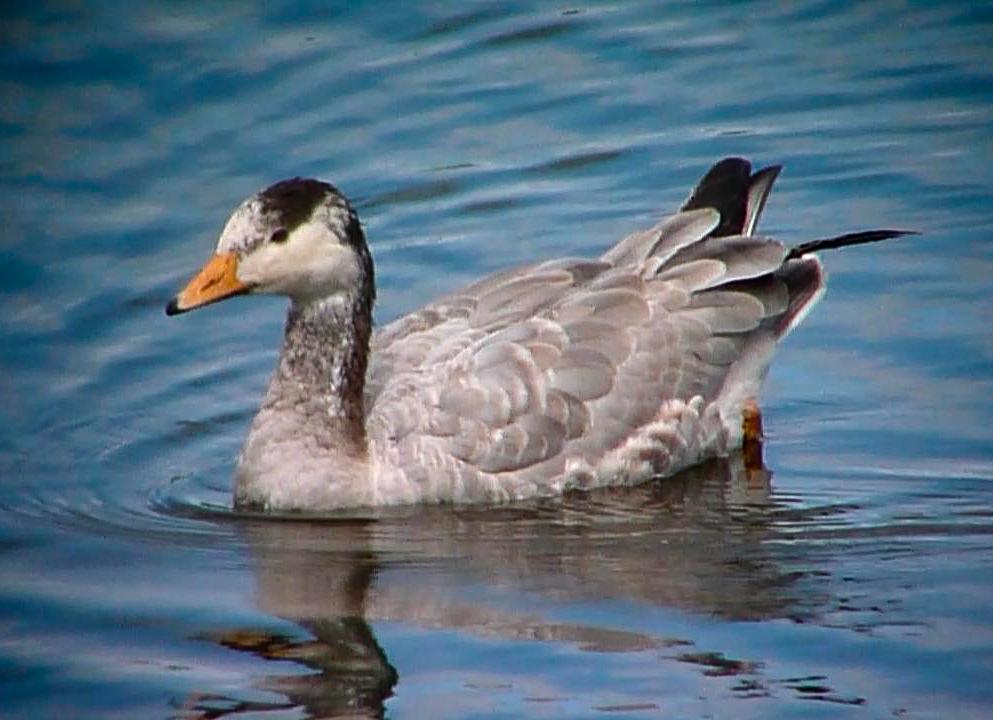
(699, 542)
(351, 675)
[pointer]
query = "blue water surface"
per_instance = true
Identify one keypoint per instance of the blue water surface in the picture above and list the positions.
(856, 582)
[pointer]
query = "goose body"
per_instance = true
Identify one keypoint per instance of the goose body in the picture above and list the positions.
(571, 373)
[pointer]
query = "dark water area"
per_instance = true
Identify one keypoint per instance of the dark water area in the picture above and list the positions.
(856, 580)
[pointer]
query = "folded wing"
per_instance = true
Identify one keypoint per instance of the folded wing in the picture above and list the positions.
(491, 391)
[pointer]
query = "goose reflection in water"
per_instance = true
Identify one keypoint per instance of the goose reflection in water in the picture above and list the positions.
(699, 542)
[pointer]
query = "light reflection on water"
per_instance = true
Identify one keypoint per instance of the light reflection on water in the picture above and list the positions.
(857, 580)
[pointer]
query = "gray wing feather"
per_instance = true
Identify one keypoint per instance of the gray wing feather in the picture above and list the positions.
(664, 239)
(758, 193)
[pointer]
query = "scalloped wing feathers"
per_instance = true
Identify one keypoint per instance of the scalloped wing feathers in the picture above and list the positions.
(555, 374)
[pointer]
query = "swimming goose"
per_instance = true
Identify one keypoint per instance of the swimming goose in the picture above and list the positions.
(559, 375)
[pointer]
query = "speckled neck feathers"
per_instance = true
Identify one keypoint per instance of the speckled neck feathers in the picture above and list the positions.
(322, 366)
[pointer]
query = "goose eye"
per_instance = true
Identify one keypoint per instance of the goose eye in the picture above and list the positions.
(279, 236)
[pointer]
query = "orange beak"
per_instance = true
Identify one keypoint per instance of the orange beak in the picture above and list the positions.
(216, 281)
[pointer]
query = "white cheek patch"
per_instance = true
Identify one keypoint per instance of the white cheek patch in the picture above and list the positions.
(310, 264)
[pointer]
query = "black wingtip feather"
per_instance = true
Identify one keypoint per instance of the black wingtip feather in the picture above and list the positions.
(855, 238)
(724, 188)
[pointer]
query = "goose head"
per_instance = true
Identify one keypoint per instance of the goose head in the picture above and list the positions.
(299, 238)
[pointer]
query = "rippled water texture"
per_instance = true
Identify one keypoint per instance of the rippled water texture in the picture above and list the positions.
(856, 581)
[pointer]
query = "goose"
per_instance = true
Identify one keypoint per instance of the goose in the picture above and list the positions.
(569, 374)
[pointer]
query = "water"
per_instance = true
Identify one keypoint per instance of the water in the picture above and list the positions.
(855, 582)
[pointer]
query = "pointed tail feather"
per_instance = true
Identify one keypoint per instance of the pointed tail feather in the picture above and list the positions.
(738, 194)
(855, 238)
(724, 188)
(759, 189)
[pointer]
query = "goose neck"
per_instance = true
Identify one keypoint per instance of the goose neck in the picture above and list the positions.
(323, 363)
